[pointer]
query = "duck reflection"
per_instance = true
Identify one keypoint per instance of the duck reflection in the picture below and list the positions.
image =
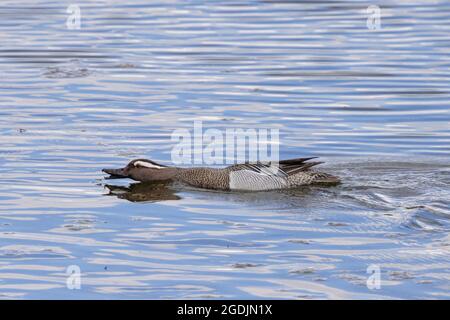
(143, 191)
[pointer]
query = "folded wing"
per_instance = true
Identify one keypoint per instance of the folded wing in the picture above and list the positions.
(293, 166)
(266, 176)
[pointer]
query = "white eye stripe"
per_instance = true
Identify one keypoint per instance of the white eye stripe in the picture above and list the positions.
(146, 165)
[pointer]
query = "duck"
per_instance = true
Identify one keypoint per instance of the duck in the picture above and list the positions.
(257, 176)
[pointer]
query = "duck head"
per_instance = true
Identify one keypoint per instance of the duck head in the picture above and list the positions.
(143, 170)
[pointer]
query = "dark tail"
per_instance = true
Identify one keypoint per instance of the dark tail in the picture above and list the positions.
(325, 178)
(292, 166)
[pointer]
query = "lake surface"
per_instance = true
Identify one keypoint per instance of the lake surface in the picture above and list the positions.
(373, 104)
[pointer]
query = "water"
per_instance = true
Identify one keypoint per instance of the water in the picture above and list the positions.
(373, 104)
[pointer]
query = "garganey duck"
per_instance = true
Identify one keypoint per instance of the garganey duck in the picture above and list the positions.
(247, 176)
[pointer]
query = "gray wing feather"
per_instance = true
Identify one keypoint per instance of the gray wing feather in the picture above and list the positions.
(257, 177)
(267, 176)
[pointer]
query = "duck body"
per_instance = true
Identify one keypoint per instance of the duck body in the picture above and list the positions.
(247, 177)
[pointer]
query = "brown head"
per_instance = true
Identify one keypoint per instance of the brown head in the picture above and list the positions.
(143, 170)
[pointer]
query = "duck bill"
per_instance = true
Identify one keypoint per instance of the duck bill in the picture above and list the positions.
(116, 173)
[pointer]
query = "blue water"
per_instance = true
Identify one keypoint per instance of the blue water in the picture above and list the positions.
(373, 104)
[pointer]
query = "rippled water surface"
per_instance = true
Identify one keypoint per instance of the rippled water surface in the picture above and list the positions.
(374, 104)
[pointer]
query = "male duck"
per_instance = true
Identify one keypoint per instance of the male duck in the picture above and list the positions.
(248, 176)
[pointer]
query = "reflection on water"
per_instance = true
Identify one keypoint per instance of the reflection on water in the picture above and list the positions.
(137, 192)
(373, 104)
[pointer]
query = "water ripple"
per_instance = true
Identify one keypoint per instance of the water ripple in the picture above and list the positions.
(373, 104)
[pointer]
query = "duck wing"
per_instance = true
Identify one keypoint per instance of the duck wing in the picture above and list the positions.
(257, 176)
(267, 176)
(293, 166)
